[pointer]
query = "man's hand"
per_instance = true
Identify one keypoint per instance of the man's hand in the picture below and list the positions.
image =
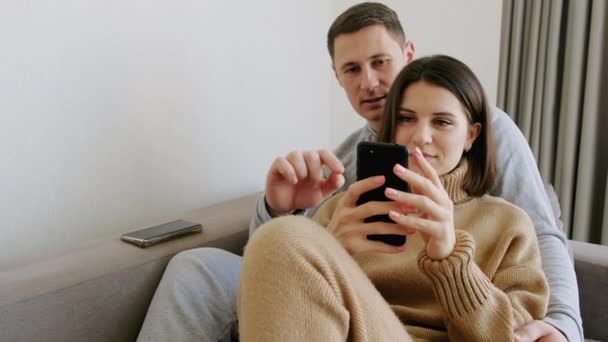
(296, 181)
(539, 331)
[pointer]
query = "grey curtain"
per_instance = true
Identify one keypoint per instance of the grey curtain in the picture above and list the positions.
(553, 81)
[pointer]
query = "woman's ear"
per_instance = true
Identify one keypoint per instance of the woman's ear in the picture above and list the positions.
(472, 134)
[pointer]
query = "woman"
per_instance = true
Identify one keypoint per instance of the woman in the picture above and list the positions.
(470, 270)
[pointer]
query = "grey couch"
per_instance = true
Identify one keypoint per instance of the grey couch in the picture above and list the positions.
(101, 291)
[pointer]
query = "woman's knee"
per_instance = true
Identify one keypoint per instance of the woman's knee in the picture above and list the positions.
(284, 231)
(290, 238)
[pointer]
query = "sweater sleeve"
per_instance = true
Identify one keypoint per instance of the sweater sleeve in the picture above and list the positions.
(479, 309)
(260, 215)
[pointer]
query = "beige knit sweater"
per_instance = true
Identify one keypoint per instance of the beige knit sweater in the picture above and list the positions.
(490, 285)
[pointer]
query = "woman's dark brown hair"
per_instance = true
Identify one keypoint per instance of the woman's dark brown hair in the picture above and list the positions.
(454, 76)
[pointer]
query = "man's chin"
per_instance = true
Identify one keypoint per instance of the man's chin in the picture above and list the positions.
(374, 120)
(371, 114)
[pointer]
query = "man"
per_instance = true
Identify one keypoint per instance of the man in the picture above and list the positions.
(196, 297)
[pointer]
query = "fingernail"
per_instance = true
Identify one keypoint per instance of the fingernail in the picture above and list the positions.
(341, 181)
(418, 152)
(394, 214)
(399, 169)
(379, 179)
(391, 192)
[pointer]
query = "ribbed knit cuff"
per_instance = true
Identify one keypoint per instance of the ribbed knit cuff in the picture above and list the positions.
(459, 285)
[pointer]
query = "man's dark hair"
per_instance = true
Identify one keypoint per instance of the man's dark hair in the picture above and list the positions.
(453, 75)
(364, 15)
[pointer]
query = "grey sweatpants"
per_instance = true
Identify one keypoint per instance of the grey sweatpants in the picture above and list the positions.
(196, 298)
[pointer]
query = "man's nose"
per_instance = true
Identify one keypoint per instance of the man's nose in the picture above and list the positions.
(369, 79)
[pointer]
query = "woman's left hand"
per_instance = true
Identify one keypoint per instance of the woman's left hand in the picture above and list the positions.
(435, 210)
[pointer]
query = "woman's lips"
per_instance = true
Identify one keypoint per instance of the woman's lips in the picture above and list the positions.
(425, 155)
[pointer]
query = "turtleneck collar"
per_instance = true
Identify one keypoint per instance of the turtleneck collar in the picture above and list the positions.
(453, 182)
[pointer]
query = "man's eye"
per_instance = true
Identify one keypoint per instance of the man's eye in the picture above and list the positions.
(351, 70)
(380, 62)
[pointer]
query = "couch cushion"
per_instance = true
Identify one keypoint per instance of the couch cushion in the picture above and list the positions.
(591, 265)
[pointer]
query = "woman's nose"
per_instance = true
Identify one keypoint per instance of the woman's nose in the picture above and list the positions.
(423, 135)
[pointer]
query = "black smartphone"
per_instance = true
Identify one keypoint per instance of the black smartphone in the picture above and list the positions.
(378, 159)
(166, 231)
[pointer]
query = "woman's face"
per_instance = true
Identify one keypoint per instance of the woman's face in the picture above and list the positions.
(432, 119)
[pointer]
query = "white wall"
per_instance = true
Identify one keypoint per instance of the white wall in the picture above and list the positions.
(118, 114)
(466, 29)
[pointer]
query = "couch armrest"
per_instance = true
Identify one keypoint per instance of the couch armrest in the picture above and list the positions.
(101, 291)
(591, 265)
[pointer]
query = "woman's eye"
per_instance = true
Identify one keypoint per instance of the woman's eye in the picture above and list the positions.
(443, 122)
(403, 118)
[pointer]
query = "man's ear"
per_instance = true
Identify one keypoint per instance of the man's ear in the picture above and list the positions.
(410, 50)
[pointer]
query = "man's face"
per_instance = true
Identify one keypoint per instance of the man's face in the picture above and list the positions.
(366, 63)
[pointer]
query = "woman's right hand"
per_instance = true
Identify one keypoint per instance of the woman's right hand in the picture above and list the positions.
(296, 181)
(347, 223)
